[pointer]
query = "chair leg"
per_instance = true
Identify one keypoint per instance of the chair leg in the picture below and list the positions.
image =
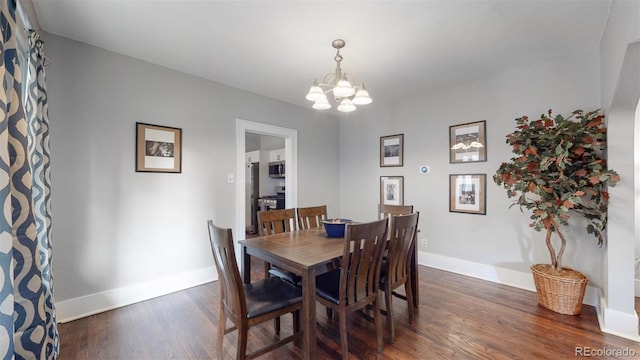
(378, 319)
(276, 325)
(242, 343)
(407, 289)
(343, 334)
(296, 321)
(388, 298)
(222, 322)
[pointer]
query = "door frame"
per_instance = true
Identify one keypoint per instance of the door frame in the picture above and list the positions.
(291, 158)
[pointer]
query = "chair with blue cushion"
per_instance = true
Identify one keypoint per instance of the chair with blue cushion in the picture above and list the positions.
(249, 304)
(355, 285)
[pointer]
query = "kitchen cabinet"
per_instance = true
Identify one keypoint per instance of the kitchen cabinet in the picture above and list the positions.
(276, 155)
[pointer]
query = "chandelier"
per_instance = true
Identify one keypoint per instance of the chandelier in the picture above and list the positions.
(345, 94)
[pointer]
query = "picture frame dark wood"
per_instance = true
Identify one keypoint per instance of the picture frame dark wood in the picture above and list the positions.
(467, 193)
(468, 142)
(158, 148)
(392, 150)
(392, 190)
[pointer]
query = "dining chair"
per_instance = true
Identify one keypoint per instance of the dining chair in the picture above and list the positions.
(395, 270)
(276, 222)
(250, 304)
(355, 285)
(310, 217)
(388, 212)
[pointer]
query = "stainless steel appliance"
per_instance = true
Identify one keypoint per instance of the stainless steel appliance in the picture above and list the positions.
(280, 197)
(252, 194)
(276, 169)
(268, 203)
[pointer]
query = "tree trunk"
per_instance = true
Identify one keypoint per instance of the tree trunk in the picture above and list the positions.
(552, 252)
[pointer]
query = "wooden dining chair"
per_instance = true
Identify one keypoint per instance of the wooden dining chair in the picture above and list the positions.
(356, 284)
(395, 270)
(276, 222)
(250, 304)
(388, 212)
(311, 217)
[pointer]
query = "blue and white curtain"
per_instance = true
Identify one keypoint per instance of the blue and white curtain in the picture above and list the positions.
(27, 314)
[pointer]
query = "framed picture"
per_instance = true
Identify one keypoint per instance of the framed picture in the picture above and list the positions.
(467, 193)
(158, 148)
(391, 150)
(392, 190)
(468, 142)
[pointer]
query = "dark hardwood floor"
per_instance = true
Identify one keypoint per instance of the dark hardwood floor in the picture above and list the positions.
(459, 318)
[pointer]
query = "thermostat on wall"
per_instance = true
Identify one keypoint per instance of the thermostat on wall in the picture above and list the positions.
(425, 169)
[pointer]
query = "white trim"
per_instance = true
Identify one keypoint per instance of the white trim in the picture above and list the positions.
(637, 287)
(518, 279)
(617, 323)
(76, 308)
(291, 180)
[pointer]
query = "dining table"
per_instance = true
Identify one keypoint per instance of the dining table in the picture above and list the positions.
(304, 252)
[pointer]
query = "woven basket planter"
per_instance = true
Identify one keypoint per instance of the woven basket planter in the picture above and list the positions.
(560, 292)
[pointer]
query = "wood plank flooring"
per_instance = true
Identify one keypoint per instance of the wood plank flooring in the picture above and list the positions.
(459, 318)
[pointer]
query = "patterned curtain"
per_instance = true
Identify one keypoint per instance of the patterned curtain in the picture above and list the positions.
(27, 314)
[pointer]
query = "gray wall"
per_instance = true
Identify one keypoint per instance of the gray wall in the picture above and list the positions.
(502, 237)
(113, 227)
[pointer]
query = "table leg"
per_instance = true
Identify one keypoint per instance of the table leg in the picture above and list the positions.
(246, 266)
(309, 314)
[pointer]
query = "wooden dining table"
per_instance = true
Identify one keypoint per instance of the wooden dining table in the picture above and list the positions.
(301, 252)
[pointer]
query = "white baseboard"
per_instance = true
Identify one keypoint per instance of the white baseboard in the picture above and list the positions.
(76, 308)
(518, 279)
(617, 323)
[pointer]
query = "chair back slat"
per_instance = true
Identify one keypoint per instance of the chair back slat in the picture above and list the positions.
(276, 221)
(401, 242)
(311, 217)
(360, 275)
(233, 296)
(385, 211)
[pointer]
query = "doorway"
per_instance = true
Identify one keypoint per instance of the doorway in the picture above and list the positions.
(290, 136)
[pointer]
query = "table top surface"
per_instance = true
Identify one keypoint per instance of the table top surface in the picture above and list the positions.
(308, 247)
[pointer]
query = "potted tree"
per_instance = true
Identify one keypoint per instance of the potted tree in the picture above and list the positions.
(558, 170)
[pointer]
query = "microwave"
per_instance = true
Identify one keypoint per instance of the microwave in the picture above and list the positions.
(276, 169)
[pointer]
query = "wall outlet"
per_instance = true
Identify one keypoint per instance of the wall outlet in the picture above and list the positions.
(423, 242)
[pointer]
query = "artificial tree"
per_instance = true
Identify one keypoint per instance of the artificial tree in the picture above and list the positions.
(559, 169)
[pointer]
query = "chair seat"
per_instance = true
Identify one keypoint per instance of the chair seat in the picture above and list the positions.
(270, 294)
(286, 276)
(328, 285)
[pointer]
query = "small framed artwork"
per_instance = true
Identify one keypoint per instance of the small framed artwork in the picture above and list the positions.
(158, 148)
(467, 193)
(392, 190)
(468, 142)
(392, 150)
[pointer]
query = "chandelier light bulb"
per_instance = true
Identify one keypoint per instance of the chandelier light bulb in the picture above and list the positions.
(362, 97)
(343, 89)
(322, 104)
(346, 105)
(315, 92)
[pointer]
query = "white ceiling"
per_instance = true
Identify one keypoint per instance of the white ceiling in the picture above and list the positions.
(397, 48)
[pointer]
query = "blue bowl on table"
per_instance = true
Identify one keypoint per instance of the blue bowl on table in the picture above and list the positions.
(335, 227)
